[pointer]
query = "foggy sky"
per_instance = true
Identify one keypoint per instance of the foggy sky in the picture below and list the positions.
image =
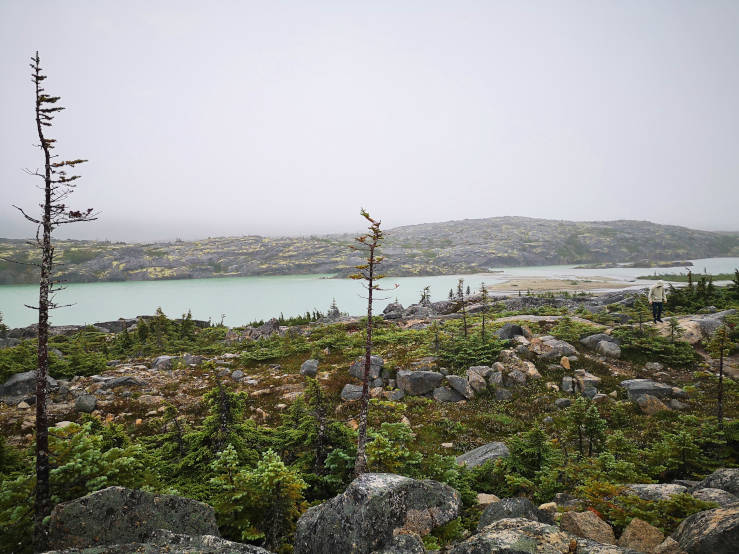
(233, 117)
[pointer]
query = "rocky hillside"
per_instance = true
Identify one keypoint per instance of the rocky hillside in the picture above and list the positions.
(466, 246)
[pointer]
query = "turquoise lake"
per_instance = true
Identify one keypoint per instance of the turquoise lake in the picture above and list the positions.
(241, 300)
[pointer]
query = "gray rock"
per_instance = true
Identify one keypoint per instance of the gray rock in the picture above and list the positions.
(403, 544)
(712, 531)
(126, 381)
(568, 384)
(309, 368)
(524, 536)
(172, 543)
(608, 349)
(495, 378)
(675, 404)
(638, 387)
(477, 381)
(445, 307)
(562, 403)
(191, 359)
(512, 507)
(394, 310)
(237, 375)
(85, 403)
(461, 385)
(417, 383)
(163, 363)
(374, 508)
(653, 366)
(375, 370)
(397, 395)
(445, 394)
(24, 384)
(503, 394)
(482, 370)
(508, 331)
(719, 496)
(482, 454)
(555, 349)
(592, 341)
(351, 392)
(660, 491)
(515, 378)
(725, 478)
(118, 515)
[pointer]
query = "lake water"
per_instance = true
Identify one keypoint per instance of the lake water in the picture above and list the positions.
(244, 299)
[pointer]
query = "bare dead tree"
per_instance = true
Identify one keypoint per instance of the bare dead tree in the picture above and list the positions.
(57, 186)
(369, 244)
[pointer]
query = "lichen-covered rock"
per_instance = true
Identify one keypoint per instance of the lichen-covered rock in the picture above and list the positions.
(482, 454)
(445, 394)
(651, 405)
(124, 381)
(172, 543)
(417, 383)
(477, 381)
(23, 384)
(351, 392)
(638, 387)
(85, 403)
(117, 515)
(523, 536)
(591, 341)
(403, 544)
(668, 546)
(554, 349)
(588, 526)
(719, 496)
(641, 536)
(508, 331)
(163, 363)
(309, 368)
(374, 508)
(608, 349)
(659, 491)
(511, 508)
(375, 370)
(725, 478)
(712, 531)
(461, 385)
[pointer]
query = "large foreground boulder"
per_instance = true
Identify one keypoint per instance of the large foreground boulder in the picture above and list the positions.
(117, 515)
(374, 508)
(172, 543)
(482, 454)
(639, 387)
(588, 526)
(712, 531)
(523, 536)
(417, 383)
(654, 492)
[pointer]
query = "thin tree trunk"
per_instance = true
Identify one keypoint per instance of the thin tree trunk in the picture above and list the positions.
(360, 466)
(721, 388)
(43, 496)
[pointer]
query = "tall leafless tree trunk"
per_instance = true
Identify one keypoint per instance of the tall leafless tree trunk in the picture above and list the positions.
(370, 243)
(58, 185)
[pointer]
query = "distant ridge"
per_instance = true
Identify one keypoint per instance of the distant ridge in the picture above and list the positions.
(464, 246)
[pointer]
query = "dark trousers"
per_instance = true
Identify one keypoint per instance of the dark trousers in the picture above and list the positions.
(657, 311)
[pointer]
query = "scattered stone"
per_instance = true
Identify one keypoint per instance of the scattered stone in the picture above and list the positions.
(476, 381)
(22, 405)
(568, 384)
(515, 378)
(396, 395)
(641, 536)
(586, 381)
(482, 454)
(163, 363)
(417, 383)
(653, 366)
(445, 394)
(554, 348)
(588, 525)
(650, 405)
(64, 424)
(550, 509)
(309, 368)
(592, 341)
(461, 385)
(351, 392)
(484, 499)
(509, 331)
(713, 531)
(404, 543)
(495, 378)
(562, 403)
(675, 404)
(374, 508)
(126, 381)
(719, 496)
(511, 508)
(660, 491)
(502, 394)
(565, 362)
(608, 349)
(447, 445)
(375, 370)
(638, 387)
(85, 403)
(482, 370)
(23, 384)
(237, 375)
(668, 546)
(118, 515)
(723, 478)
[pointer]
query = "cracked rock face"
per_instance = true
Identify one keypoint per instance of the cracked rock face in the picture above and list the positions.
(373, 509)
(715, 531)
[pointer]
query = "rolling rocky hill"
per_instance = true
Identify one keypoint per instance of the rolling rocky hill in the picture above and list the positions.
(467, 246)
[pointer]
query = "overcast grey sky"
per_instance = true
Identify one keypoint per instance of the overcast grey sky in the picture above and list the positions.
(238, 117)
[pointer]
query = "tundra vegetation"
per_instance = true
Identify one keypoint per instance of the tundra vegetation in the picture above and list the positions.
(265, 447)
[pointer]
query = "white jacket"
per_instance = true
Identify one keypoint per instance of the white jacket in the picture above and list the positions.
(657, 292)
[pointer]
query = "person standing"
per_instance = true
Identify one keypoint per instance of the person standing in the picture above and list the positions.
(657, 296)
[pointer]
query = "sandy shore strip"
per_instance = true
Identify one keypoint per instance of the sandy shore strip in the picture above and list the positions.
(539, 284)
